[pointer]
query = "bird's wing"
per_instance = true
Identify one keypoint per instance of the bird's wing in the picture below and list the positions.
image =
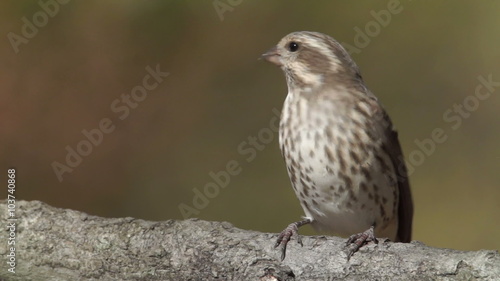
(393, 148)
(405, 208)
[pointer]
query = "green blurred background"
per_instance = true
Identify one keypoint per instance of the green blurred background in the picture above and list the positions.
(426, 59)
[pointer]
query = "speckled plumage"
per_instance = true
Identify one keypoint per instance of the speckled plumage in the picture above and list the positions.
(342, 155)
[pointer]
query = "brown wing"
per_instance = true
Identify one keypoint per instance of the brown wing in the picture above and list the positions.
(405, 208)
(393, 148)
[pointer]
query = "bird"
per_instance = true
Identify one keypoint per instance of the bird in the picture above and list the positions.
(341, 151)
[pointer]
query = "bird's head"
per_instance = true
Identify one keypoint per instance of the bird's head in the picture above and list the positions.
(311, 60)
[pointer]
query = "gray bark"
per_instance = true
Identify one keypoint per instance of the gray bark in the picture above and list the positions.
(60, 244)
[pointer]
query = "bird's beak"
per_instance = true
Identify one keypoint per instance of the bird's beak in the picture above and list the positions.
(272, 56)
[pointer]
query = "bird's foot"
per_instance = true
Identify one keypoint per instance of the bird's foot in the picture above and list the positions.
(359, 240)
(287, 233)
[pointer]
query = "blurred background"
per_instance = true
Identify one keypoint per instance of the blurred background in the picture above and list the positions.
(64, 65)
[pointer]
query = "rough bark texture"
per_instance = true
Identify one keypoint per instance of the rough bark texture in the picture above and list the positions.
(60, 244)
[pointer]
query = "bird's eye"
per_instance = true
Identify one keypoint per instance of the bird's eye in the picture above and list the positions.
(293, 46)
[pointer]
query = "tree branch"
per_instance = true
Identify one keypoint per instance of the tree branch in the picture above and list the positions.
(60, 244)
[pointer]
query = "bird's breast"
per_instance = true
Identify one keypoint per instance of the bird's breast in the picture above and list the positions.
(336, 165)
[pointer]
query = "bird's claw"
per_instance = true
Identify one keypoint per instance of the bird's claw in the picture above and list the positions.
(285, 236)
(359, 240)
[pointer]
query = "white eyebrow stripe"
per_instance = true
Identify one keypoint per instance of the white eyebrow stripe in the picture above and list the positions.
(323, 48)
